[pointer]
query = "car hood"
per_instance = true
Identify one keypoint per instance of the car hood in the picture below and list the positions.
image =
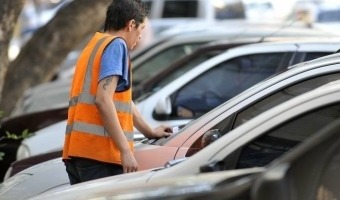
(35, 180)
(23, 185)
(51, 176)
(136, 189)
(84, 190)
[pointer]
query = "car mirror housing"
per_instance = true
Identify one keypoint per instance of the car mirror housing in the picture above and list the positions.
(213, 166)
(163, 106)
(174, 162)
(209, 137)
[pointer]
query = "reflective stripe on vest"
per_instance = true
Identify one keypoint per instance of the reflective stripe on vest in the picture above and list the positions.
(90, 99)
(92, 129)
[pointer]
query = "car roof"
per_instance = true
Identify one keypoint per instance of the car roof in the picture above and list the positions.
(234, 24)
(299, 41)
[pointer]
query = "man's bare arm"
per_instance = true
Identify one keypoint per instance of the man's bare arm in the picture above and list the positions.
(108, 112)
(145, 129)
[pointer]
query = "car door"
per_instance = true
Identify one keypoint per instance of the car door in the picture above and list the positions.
(267, 99)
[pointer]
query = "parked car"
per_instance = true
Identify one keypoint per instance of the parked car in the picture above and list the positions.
(184, 40)
(201, 54)
(179, 67)
(286, 178)
(255, 142)
(193, 94)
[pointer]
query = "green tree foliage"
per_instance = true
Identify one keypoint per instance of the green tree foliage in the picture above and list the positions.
(12, 136)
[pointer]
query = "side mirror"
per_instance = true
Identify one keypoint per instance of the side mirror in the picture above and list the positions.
(163, 106)
(214, 166)
(174, 162)
(209, 137)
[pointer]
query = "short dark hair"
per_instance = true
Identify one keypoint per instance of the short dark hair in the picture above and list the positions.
(120, 12)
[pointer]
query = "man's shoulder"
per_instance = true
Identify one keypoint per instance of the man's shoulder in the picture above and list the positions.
(118, 41)
(117, 44)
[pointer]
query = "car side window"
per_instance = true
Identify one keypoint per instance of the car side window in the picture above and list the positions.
(223, 82)
(282, 96)
(180, 8)
(307, 56)
(314, 55)
(160, 61)
(262, 150)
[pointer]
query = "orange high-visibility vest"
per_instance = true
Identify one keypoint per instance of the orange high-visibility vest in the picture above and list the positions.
(86, 136)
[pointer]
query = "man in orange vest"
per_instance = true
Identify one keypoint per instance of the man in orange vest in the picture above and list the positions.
(101, 114)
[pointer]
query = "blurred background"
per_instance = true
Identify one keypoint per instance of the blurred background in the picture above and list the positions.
(323, 14)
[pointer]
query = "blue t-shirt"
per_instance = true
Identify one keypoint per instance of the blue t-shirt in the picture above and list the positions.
(114, 62)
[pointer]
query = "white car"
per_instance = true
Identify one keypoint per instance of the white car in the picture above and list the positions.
(266, 135)
(224, 76)
(178, 102)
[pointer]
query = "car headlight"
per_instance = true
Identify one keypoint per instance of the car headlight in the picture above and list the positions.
(23, 152)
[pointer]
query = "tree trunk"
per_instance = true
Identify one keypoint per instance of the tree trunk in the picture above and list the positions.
(41, 56)
(9, 13)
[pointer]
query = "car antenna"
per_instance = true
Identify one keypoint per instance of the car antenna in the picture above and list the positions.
(280, 29)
